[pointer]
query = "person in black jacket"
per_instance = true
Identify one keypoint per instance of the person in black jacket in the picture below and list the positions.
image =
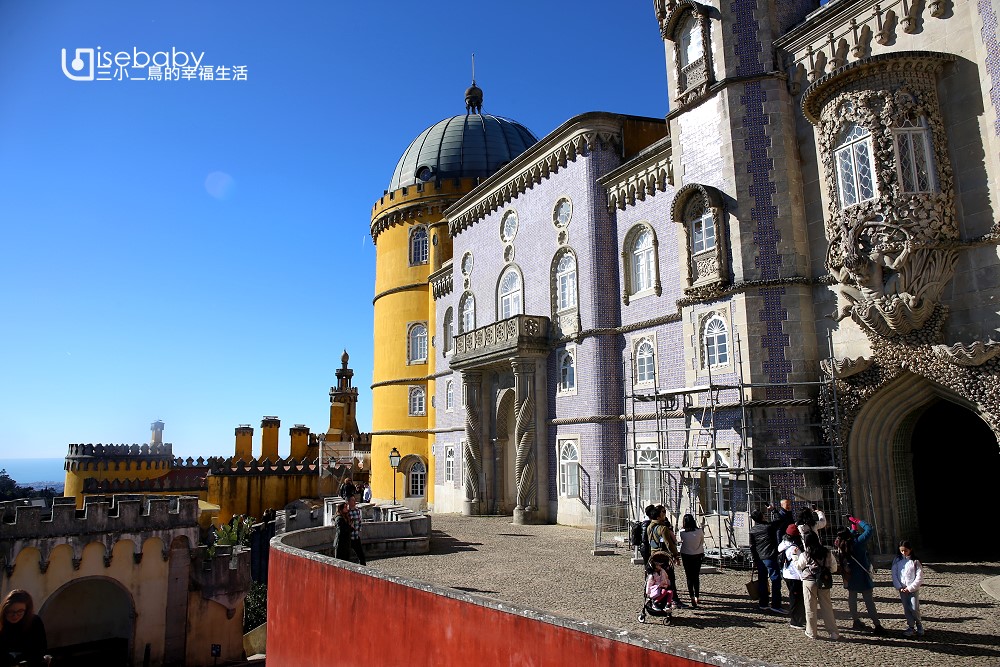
(22, 634)
(764, 548)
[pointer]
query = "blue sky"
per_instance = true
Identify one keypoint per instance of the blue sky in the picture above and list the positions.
(198, 251)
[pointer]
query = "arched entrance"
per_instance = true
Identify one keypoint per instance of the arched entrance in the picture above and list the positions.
(918, 458)
(954, 461)
(90, 622)
(504, 451)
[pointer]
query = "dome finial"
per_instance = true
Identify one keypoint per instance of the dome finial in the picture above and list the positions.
(473, 94)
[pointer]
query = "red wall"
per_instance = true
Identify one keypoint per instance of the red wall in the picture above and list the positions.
(321, 614)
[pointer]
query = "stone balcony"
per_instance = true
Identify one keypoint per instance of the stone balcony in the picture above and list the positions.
(520, 335)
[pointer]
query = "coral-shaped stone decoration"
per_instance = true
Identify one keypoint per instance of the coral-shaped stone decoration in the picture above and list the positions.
(976, 353)
(845, 368)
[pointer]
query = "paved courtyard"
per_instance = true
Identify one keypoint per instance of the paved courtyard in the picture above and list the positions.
(551, 568)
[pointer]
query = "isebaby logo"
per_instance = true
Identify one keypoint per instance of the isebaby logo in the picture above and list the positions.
(97, 64)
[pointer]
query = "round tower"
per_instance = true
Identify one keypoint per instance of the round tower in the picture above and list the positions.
(114, 462)
(444, 162)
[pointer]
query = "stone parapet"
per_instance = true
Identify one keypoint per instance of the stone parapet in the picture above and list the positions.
(100, 514)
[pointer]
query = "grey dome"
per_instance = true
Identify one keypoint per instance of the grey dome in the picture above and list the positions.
(470, 146)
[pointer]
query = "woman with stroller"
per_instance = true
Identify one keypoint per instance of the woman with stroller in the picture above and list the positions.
(661, 537)
(692, 552)
(658, 582)
(809, 563)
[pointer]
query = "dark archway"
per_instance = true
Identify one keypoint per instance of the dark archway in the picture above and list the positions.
(955, 459)
(90, 622)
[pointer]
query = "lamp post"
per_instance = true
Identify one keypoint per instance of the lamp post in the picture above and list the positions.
(394, 462)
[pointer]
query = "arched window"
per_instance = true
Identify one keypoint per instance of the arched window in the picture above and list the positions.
(702, 225)
(642, 262)
(418, 400)
(914, 164)
(716, 342)
(691, 46)
(645, 362)
(449, 396)
(417, 344)
(509, 295)
(647, 473)
(467, 306)
(569, 469)
(855, 168)
(566, 282)
(418, 245)
(418, 479)
(448, 331)
(449, 464)
(567, 371)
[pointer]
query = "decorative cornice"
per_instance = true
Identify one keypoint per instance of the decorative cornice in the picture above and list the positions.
(401, 288)
(442, 281)
(425, 378)
(976, 353)
(576, 136)
(637, 179)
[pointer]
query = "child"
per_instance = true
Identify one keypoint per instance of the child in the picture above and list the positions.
(658, 582)
(907, 576)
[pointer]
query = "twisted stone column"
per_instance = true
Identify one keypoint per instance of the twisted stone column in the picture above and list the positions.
(524, 434)
(472, 453)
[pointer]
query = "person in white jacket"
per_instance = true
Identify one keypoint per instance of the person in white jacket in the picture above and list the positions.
(788, 552)
(907, 577)
(809, 563)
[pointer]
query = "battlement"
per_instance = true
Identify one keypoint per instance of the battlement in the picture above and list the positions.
(144, 451)
(119, 514)
(190, 481)
(289, 466)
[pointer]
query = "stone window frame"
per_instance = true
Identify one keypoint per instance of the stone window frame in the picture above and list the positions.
(467, 297)
(703, 320)
(635, 343)
(566, 320)
(628, 263)
(411, 329)
(912, 127)
(449, 396)
(562, 443)
(692, 79)
(708, 267)
(448, 332)
(569, 352)
(416, 409)
(503, 220)
(507, 270)
(424, 250)
(847, 144)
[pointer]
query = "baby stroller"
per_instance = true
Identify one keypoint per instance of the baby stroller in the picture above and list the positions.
(649, 607)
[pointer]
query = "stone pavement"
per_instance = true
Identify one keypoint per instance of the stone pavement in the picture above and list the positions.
(551, 568)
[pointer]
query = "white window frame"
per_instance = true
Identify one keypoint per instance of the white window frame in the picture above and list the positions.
(511, 301)
(448, 332)
(642, 264)
(449, 396)
(416, 480)
(703, 233)
(562, 388)
(636, 344)
(449, 464)
(566, 292)
(716, 328)
(467, 310)
(419, 246)
(648, 464)
(569, 468)
(847, 153)
(416, 343)
(725, 479)
(417, 401)
(914, 134)
(691, 38)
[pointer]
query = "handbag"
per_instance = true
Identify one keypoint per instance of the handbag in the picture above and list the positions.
(753, 587)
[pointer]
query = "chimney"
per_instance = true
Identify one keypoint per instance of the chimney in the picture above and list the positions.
(244, 442)
(300, 440)
(269, 439)
(157, 428)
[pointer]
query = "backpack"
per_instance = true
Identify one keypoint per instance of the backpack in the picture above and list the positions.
(640, 537)
(824, 577)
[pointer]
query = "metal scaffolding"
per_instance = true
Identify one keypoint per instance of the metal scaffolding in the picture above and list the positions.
(722, 449)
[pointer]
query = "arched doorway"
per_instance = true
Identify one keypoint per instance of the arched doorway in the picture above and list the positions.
(505, 450)
(954, 462)
(90, 622)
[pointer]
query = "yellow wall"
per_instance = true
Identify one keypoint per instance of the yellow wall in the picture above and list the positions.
(126, 469)
(207, 625)
(251, 494)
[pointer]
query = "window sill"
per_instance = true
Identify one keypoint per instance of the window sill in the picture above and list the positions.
(641, 294)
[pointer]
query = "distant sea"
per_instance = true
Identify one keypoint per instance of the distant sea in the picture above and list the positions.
(38, 473)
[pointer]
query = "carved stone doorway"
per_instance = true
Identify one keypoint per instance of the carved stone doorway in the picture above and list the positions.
(506, 483)
(955, 458)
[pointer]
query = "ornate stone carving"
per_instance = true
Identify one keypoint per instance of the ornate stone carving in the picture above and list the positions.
(472, 455)
(893, 255)
(976, 353)
(844, 368)
(524, 434)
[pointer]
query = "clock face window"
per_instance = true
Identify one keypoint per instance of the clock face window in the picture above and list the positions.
(508, 226)
(467, 263)
(562, 213)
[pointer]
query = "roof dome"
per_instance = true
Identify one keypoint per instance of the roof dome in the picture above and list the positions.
(469, 146)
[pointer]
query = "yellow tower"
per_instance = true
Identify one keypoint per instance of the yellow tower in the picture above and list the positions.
(445, 162)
